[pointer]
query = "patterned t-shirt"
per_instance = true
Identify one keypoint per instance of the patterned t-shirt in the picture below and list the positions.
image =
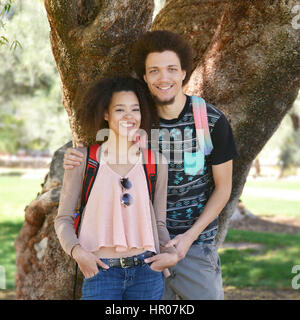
(188, 194)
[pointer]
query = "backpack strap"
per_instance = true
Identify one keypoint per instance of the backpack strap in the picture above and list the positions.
(91, 169)
(150, 168)
(201, 124)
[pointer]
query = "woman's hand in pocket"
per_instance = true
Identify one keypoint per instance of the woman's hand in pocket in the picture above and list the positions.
(87, 261)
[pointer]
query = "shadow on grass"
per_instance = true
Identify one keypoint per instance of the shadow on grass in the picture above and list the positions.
(270, 267)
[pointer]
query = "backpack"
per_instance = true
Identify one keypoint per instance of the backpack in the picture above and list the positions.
(201, 124)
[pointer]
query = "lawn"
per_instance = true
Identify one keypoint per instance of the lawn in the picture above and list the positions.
(268, 267)
(15, 193)
(278, 197)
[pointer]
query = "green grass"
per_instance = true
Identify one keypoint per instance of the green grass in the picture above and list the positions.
(8, 234)
(270, 200)
(272, 207)
(15, 194)
(269, 267)
(274, 184)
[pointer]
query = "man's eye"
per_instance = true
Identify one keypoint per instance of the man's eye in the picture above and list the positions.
(119, 109)
(153, 71)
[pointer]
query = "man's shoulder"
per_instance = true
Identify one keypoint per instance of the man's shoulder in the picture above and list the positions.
(213, 113)
(211, 109)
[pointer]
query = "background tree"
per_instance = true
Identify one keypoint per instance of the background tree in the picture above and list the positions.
(31, 114)
(246, 63)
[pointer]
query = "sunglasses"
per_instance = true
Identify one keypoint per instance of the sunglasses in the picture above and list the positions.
(126, 199)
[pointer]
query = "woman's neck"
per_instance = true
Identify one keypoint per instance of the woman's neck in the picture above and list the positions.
(120, 151)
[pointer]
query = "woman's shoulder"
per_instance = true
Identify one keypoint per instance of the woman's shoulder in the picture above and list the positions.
(82, 150)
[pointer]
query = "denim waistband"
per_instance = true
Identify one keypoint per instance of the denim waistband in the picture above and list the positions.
(139, 258)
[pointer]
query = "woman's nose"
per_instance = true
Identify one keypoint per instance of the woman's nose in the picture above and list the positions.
(128, 115)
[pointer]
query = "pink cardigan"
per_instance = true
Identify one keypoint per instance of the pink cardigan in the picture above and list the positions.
(70, 197)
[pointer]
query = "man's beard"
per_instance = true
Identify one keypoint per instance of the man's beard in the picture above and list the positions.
(159, 102)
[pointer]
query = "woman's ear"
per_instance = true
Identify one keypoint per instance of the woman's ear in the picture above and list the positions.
(105, 115)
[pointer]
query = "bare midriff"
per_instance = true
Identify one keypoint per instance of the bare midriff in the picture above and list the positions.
(110, 252)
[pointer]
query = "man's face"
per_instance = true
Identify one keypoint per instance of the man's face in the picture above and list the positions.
(164, 76)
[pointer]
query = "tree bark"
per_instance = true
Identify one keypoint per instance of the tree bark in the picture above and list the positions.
(247, 64)
(246, 56)
(90, 39)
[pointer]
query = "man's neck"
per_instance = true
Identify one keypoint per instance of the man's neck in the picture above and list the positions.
(172, 111)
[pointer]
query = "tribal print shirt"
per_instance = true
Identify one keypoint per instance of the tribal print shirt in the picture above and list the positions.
(188, 194)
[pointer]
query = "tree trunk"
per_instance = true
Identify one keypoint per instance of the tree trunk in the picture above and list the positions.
(246, 63)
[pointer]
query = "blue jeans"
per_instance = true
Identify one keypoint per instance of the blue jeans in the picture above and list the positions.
(134, 283)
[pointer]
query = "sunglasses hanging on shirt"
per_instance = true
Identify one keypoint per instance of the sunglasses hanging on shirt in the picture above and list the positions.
(126, 199)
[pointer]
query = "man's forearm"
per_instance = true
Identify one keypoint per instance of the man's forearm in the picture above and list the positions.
(213, 207)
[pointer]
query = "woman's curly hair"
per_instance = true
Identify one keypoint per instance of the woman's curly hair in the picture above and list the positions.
(97, 98)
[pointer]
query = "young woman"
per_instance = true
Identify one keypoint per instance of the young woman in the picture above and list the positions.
(121, 231)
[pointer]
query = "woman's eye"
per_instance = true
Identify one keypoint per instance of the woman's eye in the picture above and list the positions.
(136, 109)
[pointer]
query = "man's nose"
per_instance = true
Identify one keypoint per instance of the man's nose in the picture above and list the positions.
(163, 75)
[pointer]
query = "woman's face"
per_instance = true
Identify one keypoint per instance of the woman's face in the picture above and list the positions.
(124, 115)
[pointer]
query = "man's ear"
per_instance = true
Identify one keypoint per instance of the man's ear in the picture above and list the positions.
(145, 78)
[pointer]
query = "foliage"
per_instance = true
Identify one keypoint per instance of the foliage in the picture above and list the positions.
(290, 153)
(5, 10)
(284, 145)
(31, 114)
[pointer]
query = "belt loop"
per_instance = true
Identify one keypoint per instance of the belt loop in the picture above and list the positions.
(122, 263)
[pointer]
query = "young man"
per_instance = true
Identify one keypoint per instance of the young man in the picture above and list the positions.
(164, 61)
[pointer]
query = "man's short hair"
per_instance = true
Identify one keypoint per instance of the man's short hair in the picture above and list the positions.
(159, 41)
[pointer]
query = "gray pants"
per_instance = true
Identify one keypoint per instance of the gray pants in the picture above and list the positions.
(196, 277)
